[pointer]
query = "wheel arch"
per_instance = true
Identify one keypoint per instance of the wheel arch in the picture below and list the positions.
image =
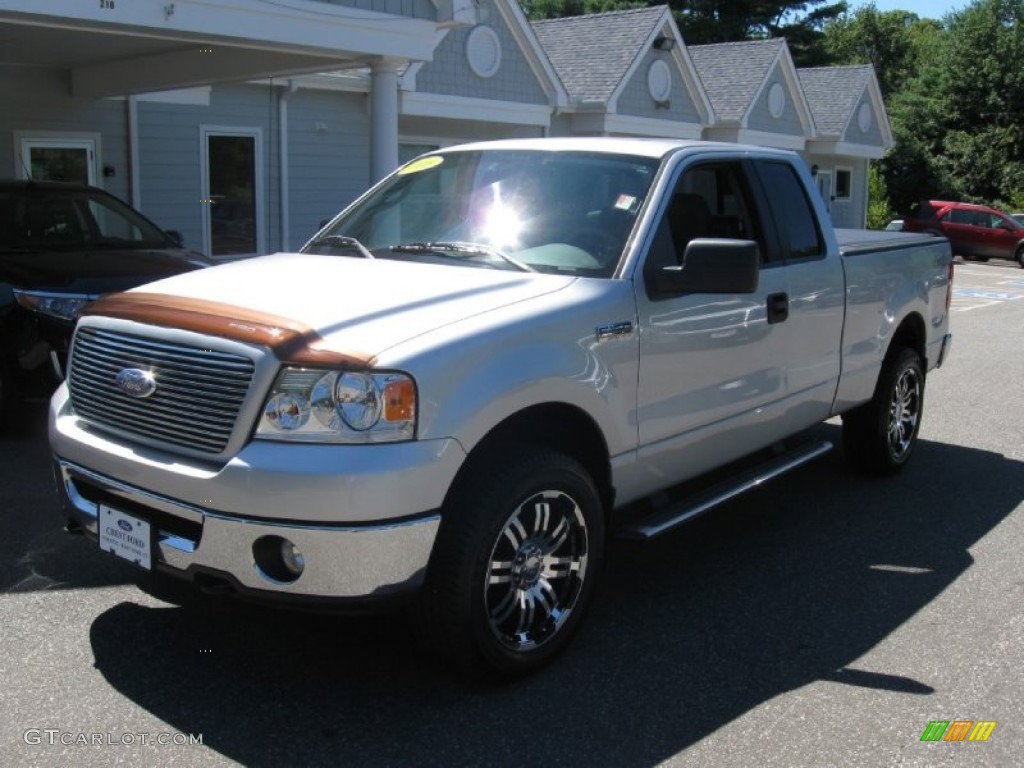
(912, 334)
(559, 426)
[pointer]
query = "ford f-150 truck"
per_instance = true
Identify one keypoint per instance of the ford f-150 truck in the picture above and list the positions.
(477, 372)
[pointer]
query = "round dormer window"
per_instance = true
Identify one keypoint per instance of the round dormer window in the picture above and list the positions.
(776, 100)
(659, 81)
(483, 51)
(864, 118)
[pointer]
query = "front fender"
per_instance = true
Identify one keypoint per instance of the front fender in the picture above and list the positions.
(475, 374)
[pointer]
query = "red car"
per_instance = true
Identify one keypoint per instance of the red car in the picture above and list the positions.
(976, 232)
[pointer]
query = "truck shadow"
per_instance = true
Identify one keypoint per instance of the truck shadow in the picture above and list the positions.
(788, 585)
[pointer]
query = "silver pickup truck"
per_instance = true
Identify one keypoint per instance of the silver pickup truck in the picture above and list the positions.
(485, 367)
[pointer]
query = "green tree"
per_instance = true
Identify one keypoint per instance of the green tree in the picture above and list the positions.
(959, 124)
(554, 9)
(879, 210)
(982, 90)
(895, 42)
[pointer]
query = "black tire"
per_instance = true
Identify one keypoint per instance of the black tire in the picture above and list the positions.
(514, 565)
(879, 436)
(1019, 256)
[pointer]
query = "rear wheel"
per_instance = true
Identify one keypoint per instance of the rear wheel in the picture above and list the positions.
(879, 437)
(514, 565)
(1019, 256)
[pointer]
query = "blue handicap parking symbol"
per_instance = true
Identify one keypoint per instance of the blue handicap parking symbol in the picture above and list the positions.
(976, 293)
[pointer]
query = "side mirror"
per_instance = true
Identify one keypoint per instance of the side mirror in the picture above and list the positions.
(713, 265)
(175, 237)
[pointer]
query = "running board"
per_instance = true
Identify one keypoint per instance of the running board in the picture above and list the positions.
(665, 519)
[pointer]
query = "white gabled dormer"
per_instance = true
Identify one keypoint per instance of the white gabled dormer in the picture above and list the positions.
(756, 94)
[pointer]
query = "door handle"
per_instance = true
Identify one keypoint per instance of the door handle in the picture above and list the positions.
(778, 308)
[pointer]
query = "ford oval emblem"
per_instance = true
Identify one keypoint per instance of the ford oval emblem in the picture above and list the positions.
(136, 382)
(124, 525)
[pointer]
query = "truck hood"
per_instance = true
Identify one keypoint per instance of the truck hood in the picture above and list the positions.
(360, 307)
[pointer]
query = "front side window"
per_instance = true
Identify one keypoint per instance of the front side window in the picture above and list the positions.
(560, 212)
(709, 201)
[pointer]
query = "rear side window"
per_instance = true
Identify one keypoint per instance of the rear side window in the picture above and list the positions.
(961, 216)
(792, 212)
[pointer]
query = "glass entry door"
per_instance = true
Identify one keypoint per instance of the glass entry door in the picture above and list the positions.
(233, 193)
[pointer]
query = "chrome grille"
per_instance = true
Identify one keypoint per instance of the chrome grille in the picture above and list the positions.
(199, 392)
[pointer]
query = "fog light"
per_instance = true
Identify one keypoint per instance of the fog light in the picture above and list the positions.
(292, 558)
(277, 559)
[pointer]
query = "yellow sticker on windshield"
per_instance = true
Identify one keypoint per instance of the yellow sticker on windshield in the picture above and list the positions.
(423, 164)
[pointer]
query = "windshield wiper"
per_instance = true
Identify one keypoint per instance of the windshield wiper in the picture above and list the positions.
(343, 241)
(468, 249)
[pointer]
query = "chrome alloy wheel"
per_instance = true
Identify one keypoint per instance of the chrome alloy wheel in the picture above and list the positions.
(536, 570)
(904, 412)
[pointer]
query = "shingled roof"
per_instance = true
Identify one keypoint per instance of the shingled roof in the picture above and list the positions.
(591, 54)
(733, 73)
(833, 94)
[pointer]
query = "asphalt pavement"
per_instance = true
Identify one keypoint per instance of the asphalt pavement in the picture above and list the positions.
(824, 620)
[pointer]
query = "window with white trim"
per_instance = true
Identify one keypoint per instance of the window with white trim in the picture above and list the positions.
(56, 157)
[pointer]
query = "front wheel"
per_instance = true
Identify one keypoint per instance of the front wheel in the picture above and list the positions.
(879, 437)
(1019, 256)
(514, 566)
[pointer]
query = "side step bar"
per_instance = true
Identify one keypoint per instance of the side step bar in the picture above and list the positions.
(665, 519)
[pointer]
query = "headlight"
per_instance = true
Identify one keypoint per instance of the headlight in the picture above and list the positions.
(312, 405)
(65, 306)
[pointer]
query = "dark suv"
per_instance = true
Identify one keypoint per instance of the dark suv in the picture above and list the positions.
(62, 245)
(976, 232)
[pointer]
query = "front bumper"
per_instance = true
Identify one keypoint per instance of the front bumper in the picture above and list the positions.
(378, 561)
(364, 518)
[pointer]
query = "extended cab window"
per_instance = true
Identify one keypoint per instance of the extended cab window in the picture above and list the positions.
(799, 234)
(709, 201)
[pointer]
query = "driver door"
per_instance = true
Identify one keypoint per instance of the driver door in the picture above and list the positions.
(711, 365)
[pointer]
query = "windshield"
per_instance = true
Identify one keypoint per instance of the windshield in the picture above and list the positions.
(562, 212)
(50, 218)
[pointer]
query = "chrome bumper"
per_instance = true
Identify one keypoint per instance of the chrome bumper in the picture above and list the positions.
(380, 560)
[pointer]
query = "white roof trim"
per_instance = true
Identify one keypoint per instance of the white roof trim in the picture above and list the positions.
(601, 123)
(846, 149)
(324, 81)
(734, 135)
(414, 103)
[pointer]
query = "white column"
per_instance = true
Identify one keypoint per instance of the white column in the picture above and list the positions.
(134, 171)
(383, 119)
(282, 154)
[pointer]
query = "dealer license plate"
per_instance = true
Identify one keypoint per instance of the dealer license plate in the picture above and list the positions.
(126, 536)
